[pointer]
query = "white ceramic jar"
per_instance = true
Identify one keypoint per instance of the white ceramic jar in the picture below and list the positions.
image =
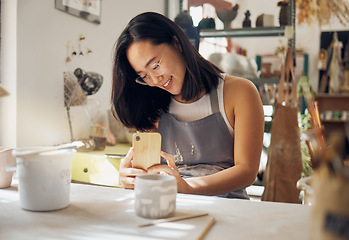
(155, 195)
(44, 179)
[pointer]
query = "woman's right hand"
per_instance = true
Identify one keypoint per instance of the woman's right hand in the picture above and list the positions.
(127, 174)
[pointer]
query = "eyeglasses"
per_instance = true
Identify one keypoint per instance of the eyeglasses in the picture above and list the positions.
(154, 70)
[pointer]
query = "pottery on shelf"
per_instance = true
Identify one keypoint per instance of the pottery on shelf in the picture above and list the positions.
(247, 22)
(207, 23)
(227, 16)
(283, 15)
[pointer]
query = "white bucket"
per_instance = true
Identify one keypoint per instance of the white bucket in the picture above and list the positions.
(44, 179)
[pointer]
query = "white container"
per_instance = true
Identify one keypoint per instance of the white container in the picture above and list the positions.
(155, 195)
(44, 179)
(304, 184)
(268, 20)
(265, 20)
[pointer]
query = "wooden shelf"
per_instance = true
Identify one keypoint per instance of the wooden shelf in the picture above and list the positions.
(330, 102)
(334, 120)
(245, 32)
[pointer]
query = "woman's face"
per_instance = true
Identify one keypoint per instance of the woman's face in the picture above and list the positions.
(144, 56)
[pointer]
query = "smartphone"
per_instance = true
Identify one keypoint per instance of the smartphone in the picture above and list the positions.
(147, 148)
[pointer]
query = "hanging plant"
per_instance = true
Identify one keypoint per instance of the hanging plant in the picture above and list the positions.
(321, 11)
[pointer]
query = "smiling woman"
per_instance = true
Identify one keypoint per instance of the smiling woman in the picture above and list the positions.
(145, 37)
(209, 121)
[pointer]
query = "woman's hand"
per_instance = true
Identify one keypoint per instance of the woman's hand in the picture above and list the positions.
(170, 169)
(127, 174)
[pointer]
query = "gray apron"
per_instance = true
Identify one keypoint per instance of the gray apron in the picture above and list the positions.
(201, 147)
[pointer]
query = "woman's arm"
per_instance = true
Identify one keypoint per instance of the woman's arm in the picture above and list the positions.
(245, 113)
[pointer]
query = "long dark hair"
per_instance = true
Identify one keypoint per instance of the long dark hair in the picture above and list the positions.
(138, 106)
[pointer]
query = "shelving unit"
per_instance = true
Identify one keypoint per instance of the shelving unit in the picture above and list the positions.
(334, 103)
(289, 30)
(281, 31)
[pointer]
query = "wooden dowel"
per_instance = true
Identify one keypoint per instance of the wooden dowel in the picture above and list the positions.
(173, 219)
(206, 229)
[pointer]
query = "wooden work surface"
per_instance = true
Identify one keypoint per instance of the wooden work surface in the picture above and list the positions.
(97, 212)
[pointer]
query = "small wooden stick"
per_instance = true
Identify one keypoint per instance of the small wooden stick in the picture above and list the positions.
(207, 228)
(173, 219)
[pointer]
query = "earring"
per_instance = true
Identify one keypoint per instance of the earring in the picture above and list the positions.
(180, 48)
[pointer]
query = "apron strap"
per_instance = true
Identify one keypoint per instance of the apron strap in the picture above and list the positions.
(214, 100)
(289, 71)
(284, 93)
(281, 91)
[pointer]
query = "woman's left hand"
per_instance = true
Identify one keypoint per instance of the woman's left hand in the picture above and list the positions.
(170, 169)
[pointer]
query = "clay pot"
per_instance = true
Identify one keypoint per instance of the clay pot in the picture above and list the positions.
(283, 15)
(227, 16)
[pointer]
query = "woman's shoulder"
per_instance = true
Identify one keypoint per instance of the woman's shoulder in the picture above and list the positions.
(241, 99)
(237, 86)
(240, 93)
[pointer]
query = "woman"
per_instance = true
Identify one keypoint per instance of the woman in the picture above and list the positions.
(211, 123)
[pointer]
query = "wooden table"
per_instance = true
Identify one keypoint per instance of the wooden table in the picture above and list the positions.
(97, 212)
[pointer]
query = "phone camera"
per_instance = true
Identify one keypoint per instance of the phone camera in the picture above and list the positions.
(138, 138)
